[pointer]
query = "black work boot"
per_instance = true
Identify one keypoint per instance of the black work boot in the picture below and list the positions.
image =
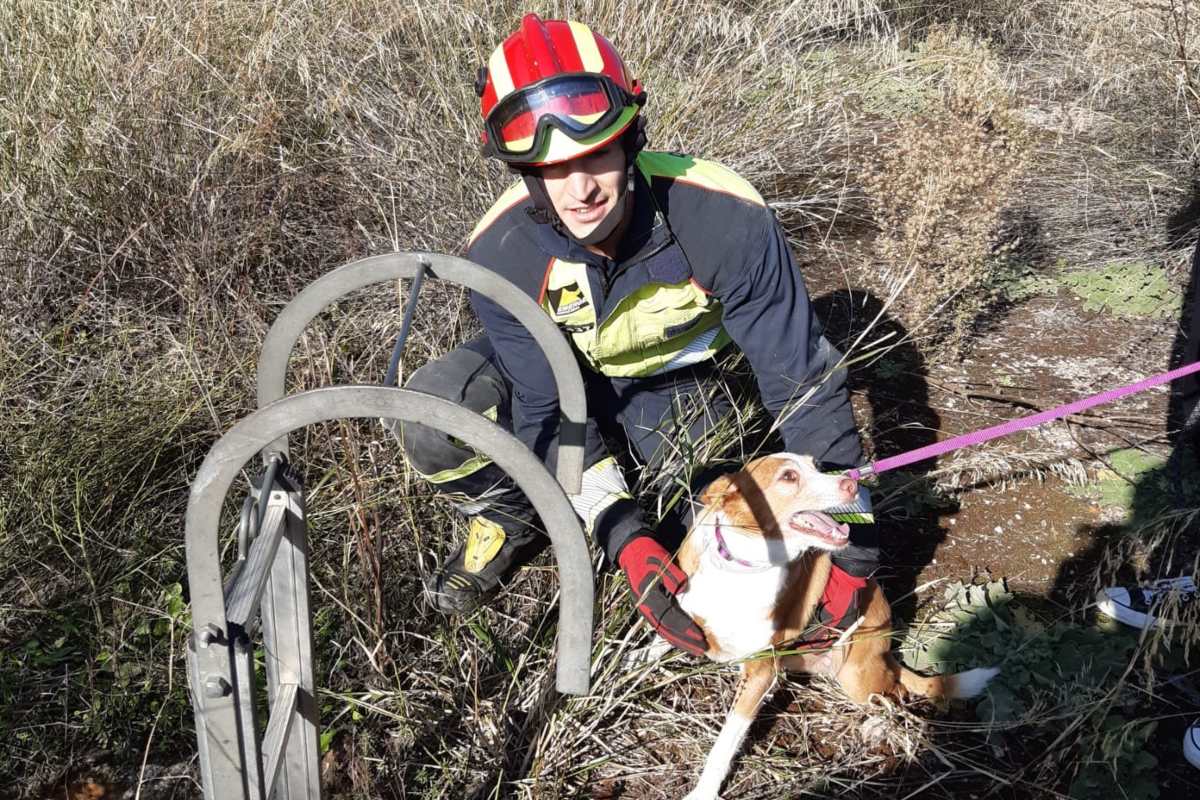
(480, 566)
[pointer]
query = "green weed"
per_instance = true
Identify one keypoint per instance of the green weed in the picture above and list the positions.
(1121, 766)
(1055, 676)
(1017, 282)
(1126, 289)
(1143, 485)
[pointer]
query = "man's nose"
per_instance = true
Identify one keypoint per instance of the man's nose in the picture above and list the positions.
(581, 184)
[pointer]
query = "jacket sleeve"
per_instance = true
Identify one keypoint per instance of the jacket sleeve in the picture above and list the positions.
(768, 314)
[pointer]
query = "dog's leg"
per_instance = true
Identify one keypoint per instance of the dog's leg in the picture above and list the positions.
(757, 678)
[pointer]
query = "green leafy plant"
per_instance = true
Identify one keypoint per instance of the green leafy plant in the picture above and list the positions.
(981, 625)
(1126, 289)
(1142, 484)
(1118, 482)
(1052, 673)
(1124, 768)
(1017, 282)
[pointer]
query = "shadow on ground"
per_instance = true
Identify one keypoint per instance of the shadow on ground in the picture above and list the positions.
(892, 379)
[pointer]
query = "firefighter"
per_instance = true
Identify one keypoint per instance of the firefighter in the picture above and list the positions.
(653, 265)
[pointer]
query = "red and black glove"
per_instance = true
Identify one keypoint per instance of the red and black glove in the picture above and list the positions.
(655, 580)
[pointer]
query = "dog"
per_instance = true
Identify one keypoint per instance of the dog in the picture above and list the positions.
(759, 568)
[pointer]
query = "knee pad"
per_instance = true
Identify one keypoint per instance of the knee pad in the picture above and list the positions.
(468, 378)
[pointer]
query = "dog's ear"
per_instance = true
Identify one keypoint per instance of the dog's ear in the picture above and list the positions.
(719, 489)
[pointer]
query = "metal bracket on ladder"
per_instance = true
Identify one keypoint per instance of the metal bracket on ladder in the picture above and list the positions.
(271, 573)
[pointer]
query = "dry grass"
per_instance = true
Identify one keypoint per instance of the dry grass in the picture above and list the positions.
(938, 189)
(171, 174)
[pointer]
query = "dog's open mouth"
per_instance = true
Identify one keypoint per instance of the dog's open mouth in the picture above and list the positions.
(836, 535)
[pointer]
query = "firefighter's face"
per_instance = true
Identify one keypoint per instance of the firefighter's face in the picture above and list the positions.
(584, 190)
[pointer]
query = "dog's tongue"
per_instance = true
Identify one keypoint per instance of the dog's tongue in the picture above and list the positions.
(824, 525)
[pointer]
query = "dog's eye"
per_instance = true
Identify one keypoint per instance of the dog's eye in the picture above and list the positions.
(789, 476)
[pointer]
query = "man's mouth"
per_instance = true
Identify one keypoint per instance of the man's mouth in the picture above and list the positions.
(836, 535)
(591, 212)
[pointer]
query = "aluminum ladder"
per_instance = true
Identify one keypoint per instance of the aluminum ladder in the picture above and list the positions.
(265, 595)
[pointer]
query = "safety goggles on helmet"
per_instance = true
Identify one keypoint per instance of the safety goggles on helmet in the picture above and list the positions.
(578, 104)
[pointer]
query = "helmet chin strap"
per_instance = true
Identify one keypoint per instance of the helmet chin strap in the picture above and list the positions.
(613, 218)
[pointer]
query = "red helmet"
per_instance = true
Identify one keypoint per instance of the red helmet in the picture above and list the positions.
(554, 90)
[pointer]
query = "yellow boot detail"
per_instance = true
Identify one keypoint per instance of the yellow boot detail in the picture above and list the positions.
(484, 540)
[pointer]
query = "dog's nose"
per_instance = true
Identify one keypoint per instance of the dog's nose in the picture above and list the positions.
(848, 487)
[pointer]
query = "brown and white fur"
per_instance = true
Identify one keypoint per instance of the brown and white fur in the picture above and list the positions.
(745, 608)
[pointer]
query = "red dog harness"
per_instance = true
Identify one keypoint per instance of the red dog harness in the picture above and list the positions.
(837, 610)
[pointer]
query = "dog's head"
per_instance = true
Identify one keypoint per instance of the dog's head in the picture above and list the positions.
(771, 497)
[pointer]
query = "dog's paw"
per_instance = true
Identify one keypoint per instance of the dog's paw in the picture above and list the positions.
(696, 794)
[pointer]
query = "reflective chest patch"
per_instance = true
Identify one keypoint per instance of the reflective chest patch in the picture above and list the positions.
(653, 328)
(566, 300)
(568, 297)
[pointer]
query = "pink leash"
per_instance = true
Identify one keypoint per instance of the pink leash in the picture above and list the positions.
(1020, 424)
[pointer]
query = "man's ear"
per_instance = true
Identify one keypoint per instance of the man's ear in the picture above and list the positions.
(721, 488)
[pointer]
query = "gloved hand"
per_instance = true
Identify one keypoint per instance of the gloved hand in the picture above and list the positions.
(655, 581)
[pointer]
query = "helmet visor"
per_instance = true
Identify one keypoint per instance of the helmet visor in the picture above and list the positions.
(578, 105)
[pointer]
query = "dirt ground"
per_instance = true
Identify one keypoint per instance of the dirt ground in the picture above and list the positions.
(1021, 507)
(1027, 508)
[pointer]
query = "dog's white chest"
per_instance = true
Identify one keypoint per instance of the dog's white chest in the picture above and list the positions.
(737, 607)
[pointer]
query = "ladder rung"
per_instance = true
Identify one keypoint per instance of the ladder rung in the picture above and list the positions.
(243, 595)
(283, 711)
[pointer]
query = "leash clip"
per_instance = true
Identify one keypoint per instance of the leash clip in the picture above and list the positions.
(858, 473)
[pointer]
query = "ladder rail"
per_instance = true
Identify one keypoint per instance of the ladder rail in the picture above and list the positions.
(288, 650)
(279, 727)
(320, 294)
(214, 662)
(244, 688)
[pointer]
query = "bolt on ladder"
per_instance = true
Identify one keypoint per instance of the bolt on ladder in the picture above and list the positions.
(268, 583)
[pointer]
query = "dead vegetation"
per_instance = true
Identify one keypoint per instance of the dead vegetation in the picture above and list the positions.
(171, 174)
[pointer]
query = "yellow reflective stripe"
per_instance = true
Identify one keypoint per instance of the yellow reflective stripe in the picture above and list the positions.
(603, 484)
(512, 195)
(706, 174)
(498, 72)
(469, 466)
(466, 468)
(587, 119)
(519, 144)
(585, 42)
